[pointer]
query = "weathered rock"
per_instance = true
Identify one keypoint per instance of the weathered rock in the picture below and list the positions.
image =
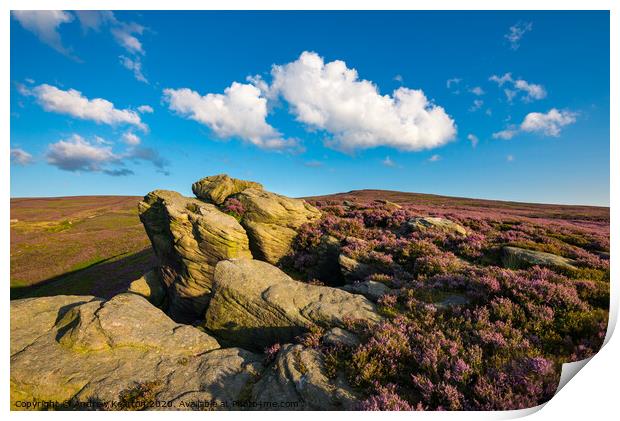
(372, 290)
(338, 336)
(271, 222)
(298, 375)
(87, 349)
(429, 222)
(217, 188)
(518, 258)
(149, 286)
(255, 304)
(353, 270)
(388, 205)
(189, 237)
(452, 300)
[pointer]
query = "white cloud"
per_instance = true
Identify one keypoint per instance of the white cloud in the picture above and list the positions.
(435, 158)
(145, 109)
(21, 157)
(45, 24)
(453, 81)
(531, 91)
(550, 123)
(135, 65)
(473, 139)
(125, 36)
(77, 154)
(506, 134)
(510, 158)
(516, 32)
(500, 80)
(478, 103)
(388, 162)
(398, 78)
(330, 97)
(73, 103)
(477, 90)
(241, 111)
(93, 20)
(130, 138)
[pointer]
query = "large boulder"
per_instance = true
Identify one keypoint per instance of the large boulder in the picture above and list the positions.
(255, 304)
(298, 375)
(440, 224)
(271, 221)
(189, 237)
(518, 258)
(124, 350)
(372, 290)
(217, 188)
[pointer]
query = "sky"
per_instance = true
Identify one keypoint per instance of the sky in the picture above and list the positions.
(501, 105)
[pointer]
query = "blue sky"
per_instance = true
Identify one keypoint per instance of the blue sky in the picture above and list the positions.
(500, 105)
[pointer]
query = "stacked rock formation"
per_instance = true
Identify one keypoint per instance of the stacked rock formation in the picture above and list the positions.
(215, 270)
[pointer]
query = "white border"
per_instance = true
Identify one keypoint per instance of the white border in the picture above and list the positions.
(591, 395)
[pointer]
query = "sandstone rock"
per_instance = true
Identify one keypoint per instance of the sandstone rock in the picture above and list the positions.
(298, 375)
(518, 258)
(388, 205)
(271, 222)
(452, 300)
(149, 286)
(216, 188)
(353, 270)
(189, 237)
(372, 290)
(338, 336)
(88, 349)
(429, 222)
(255, 304)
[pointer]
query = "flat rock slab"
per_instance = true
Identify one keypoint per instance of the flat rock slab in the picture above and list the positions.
(518, 258)
(298, 375)
(87, 349)
(255, 304)
(431, 222)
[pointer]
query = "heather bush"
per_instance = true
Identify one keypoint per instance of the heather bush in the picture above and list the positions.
(500, 344)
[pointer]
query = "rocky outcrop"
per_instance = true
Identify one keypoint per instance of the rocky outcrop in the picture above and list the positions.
(217, 188)
(271, 222)
(340, 337)
(518, 258)
(429, 222)
(353, 271)
(89, 350)
(372, 290)
(298, 375)
(151, 287)
(189, 237)
(254, 304)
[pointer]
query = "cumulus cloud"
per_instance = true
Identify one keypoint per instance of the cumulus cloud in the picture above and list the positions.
(131, 139)
(331, 97)
(240, 112)
(145, 109)
(531, 91)
(21, 157)
(473, 139)
(549, 123)
(77, 154)
(45, 24)
(135, 65)
(505, 134)
(516, 33)
(73, 103)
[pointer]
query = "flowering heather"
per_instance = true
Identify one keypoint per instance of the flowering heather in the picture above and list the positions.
(233, 207)
(461, 330)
